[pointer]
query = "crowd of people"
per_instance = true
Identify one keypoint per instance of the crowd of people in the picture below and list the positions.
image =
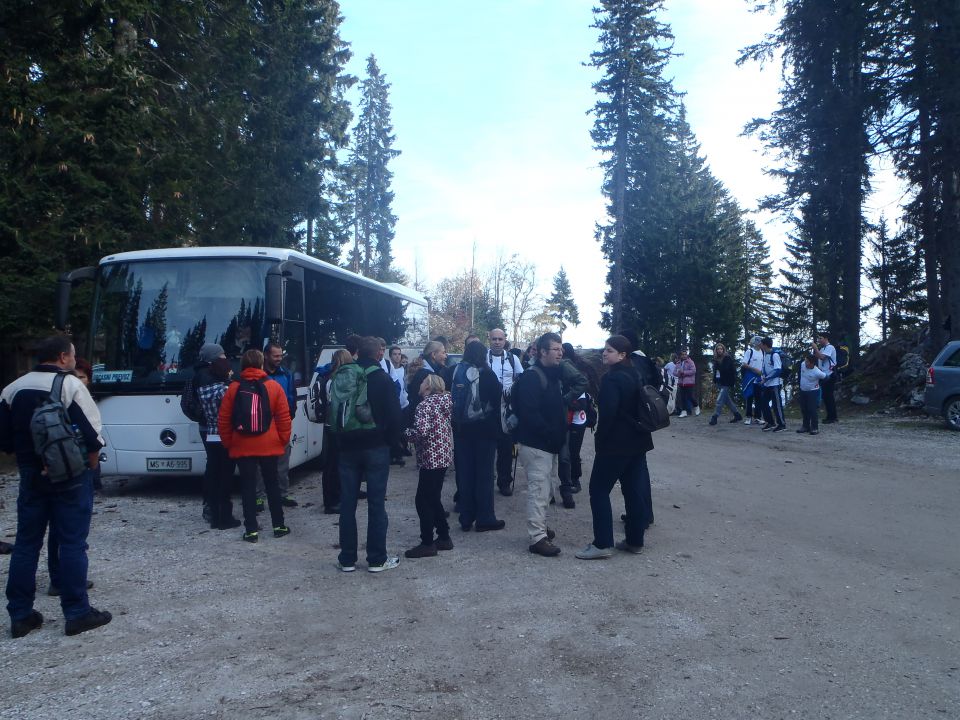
(763, 371)
(480, 417)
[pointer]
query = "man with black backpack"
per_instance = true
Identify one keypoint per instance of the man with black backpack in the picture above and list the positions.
(50, 421)
(364, 416)
(541, 431)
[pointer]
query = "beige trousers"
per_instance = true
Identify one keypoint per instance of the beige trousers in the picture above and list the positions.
(542, 482)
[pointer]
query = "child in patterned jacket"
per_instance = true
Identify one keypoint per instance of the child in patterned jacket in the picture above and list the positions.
(432, 436)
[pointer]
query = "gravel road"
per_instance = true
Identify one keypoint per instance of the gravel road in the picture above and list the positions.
(786, 576)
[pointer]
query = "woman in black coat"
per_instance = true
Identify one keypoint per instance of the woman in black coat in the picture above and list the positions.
(621, 454)
(475, 441)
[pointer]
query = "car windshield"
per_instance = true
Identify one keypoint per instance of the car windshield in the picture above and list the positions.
(151, 318)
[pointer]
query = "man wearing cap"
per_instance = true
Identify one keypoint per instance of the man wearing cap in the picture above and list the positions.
(202, 376)
(210, 382)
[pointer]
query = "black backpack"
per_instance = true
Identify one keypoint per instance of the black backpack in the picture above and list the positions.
(652, 413)
(251, 408)
(55, 440)
(190, 403)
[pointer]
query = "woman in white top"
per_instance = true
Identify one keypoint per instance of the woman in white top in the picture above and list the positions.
(810, 379)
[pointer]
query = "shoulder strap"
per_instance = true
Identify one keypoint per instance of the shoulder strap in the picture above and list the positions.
(544, 380)
(56, 390)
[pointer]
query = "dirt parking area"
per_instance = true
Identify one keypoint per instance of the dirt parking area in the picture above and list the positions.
(786, 576)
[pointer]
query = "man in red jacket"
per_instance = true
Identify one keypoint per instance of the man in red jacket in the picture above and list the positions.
(261, 450)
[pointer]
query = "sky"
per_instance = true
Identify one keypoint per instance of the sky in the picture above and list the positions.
(490, 111)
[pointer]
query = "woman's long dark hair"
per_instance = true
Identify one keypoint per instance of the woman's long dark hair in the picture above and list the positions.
(475, 353)
(589, 372)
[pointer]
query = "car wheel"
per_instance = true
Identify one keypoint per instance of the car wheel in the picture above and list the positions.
(951, 413)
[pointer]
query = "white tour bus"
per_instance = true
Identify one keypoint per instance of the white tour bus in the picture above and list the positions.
(154, 309)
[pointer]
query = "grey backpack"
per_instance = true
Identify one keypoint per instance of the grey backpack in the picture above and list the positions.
(55, 440)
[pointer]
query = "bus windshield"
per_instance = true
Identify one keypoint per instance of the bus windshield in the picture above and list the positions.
(151, 318)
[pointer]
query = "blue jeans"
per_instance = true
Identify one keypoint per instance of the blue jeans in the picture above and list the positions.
(724, 399)
(634, 477)
(373, 465)
(475, 455)
(68, 512)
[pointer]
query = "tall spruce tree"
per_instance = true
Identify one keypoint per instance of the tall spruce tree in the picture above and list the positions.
(819, 133)
(629, 124)
(561, 305)
(371, 153)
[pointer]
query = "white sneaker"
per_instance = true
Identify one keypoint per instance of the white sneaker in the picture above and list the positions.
(748, 421)
(591, 552)
(683, 414)
(389, 564)
(696, 410)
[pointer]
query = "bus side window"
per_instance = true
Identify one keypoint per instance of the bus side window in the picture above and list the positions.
(293, 333)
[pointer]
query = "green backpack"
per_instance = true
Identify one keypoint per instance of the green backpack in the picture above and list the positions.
(348, 408)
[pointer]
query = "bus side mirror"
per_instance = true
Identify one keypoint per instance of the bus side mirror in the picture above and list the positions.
(273, 305)
(65, 284)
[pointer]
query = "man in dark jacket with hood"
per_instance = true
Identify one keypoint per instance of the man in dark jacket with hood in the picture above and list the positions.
(542, 413)
(366, 454)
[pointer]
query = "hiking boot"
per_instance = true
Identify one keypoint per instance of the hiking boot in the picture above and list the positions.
(251, 537)
(592, 552)
(389, 564)
(682, 414)
(713, 420)
(93, 619)
(280, 531)
(544, 547)
(737, 418)
(31, 622)
(444, 544)
(568, 501)
(627, 547)
(261, 505)
(288, 501)
(498, 525)
(421, 551)
(54, 591)
(345, 568)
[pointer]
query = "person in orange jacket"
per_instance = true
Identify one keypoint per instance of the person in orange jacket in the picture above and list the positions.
(260, 450)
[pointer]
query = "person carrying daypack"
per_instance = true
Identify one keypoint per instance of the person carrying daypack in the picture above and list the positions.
(622, 446)
(364, 428)
(507, 368)
(476, 402)
(48, 494)
(826, 356)
(772, 384)
(254, 424)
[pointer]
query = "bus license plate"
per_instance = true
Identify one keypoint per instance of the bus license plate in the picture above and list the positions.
(169, 464)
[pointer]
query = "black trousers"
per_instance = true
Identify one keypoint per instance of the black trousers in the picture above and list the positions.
(430, 507)
(330, 481)
(271, 482)
(575, 438)
(829, 401)
(504, 458)
(216, 483)
(773, 405)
